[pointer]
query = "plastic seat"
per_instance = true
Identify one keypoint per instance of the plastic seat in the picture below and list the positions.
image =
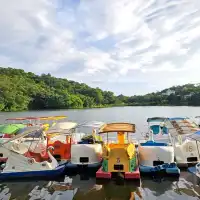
(155, 129)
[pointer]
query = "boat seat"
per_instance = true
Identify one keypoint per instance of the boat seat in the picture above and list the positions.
(155, 129)
(37, 156)
(152, 143)
(165, 130)
(61, 149)
(129, 148)
(172, 165)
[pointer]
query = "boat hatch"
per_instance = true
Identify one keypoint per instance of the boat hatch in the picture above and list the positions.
(192, 159)
(1, 155)
(119, 167)
(157, 162)
(84, 159)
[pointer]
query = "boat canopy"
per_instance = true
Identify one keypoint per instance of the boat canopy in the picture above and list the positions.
(62, 127)
(117, 127)
(34, 134)
(27, 131)
(178, 118)
(181, 126)
(19, 118)
(195, 136)
(38, 118)
(156, 119)
(53, 117)
(92, 124)
(10, 128)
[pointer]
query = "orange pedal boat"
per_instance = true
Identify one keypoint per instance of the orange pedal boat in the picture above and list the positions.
(60, 138)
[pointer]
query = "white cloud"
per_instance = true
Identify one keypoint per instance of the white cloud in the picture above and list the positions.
(104, 40)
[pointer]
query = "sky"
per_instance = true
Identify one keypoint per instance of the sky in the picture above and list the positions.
(125, 46)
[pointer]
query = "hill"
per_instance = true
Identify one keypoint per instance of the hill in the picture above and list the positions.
(185, 95)
(20, 90)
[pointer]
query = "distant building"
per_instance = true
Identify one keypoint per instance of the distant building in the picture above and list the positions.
(168, 92)
(188, 95)
(197, 84)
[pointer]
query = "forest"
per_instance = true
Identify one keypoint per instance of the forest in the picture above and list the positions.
(20, 90)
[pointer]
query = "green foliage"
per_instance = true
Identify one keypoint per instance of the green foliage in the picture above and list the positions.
(26, 91)
(185, 95)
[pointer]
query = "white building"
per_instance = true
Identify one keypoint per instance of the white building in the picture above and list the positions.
(168, 92)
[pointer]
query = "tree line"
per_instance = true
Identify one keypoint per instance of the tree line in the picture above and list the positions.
(20, 90)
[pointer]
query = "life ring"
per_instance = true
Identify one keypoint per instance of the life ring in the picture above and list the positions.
(29, 124)
(30, 161)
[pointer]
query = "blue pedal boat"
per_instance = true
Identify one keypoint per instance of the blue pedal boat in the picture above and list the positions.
(156, 156)
(58, 171)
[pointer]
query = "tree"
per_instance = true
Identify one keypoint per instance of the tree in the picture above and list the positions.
(22, 91)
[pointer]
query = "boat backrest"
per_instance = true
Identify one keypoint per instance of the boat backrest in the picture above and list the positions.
(152, 143)
(112, 147)
(165, 130)
(155, 129)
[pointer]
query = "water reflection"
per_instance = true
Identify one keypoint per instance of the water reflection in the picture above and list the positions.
(75, 187)
(109, 190)
(187, 185)
(18, 190)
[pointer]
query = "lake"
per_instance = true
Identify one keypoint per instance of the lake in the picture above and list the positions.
(85, 187)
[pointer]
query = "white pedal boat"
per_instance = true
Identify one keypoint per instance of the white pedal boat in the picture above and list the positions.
(19, 166)
(87, 152)
(156, 156)
(196, 138)
(36, 143)
(185, 149)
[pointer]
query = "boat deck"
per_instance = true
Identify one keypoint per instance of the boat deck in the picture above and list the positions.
(127, 175)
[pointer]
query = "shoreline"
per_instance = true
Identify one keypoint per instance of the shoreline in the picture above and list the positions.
(95, 107)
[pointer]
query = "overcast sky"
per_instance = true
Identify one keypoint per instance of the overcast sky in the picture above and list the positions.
(126, 46)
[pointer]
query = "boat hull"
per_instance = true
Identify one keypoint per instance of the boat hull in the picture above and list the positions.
(34, 174)
(152, 169)
(88, 165)
(86, 154)
(187, 153)
(195, 170)
(135, 175)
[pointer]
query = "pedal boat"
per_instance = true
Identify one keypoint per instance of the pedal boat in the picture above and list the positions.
(120, 157)
(7, 131)
(156, 156)
(196, 138)
(86, 152)
(185, 149)
(35, 144)
(20, 166)
(60, 138)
